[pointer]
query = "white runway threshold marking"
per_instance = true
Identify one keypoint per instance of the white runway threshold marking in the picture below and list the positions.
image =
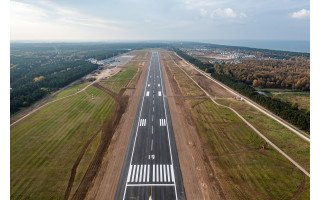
(143, 122)
(133, 173)
(163, 122)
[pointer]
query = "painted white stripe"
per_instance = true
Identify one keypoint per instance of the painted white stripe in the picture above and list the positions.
(144, 173)
(142, 122)
(164, 173)
(158, 85)
(147, 93)
(151, 184)
(152, 117)
(141, 170)
(135, 137)
(172, 173)
(153, 173)
(148, 173)
(137, 173)
(130, 168)
(157, 172)
(160, 173)
(134, 170)
(152, 129)
(148, 85)
(159, 93)
(168, 173)
(153, 109)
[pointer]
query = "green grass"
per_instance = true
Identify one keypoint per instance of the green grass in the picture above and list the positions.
(248, 172)
(302, 98)
(45, 145)
(70, 90)
(121, 79)
(297, 148)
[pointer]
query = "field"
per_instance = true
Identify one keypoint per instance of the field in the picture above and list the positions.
(290, 143)
(290, 96)
(120, 80)
(244, 169)
(45, 145)
(70, 90)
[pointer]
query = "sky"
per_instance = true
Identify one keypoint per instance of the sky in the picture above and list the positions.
(185, 20)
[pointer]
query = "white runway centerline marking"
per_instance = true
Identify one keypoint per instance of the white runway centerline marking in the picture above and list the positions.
(147, 93)
(134, 173)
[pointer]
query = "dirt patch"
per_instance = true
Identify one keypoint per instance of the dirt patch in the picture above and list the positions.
(211, 87)
(106, 181)
(199, 177)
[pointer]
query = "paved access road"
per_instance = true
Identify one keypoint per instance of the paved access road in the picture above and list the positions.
(151, 167)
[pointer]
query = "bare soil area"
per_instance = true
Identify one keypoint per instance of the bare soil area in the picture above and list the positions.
(105, 184)
(211, 87)
(199, 177)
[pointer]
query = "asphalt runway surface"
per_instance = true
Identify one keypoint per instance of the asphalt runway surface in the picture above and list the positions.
(151, 167)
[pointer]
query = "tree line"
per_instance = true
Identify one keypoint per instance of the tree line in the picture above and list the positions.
(282, 109)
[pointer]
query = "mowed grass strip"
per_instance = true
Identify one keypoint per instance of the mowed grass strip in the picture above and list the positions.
(244, 169)
(120, 80)
(71, 90)
(45, 145)
(297, 148)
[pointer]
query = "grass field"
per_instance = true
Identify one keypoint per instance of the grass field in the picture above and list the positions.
(301, 98)
(244, 169)
(140, 54)
(290, 96)
(45, 145)
(297, 148)
(70, 90)
(120, 80)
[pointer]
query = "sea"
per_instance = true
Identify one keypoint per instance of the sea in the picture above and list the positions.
(284, 45)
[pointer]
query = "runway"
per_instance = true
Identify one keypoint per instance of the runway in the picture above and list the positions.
(151, 167)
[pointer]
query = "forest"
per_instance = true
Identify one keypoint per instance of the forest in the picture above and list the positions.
(270, 73)
(38, 69)
(284, 110)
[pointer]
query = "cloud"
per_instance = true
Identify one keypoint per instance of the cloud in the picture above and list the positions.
(44, 20)
(301, 14)
(220, 13)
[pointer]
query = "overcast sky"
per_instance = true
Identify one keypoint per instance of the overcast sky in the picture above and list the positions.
(196, 20)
